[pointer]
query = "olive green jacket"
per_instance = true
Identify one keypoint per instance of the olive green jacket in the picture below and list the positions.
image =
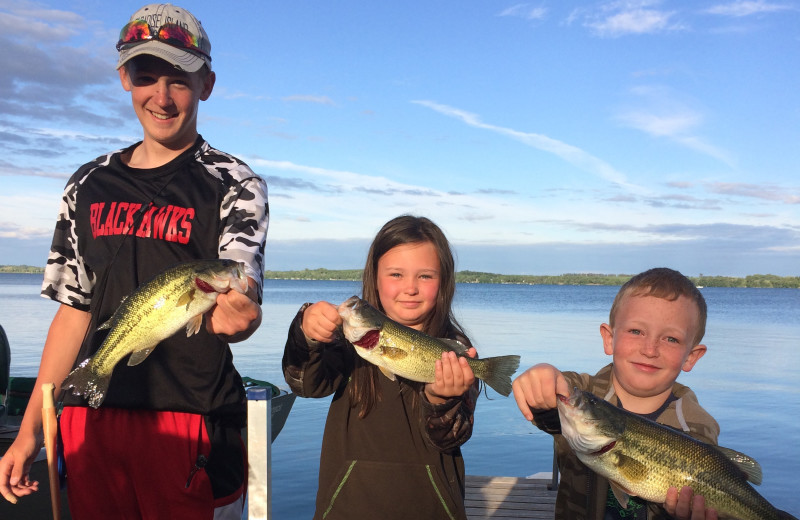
(582, 492)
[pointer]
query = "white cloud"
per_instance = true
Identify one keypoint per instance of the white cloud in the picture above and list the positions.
(620, 18)
(660, 113)
(305, 98)
(567, 152)
(525, 11)
(743, 8)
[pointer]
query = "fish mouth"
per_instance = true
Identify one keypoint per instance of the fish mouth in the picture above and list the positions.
(348, 306)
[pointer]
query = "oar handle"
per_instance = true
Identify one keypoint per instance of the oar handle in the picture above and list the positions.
(47, 395)
(50, 430)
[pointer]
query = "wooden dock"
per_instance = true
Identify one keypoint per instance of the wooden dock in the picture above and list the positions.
(496, 498)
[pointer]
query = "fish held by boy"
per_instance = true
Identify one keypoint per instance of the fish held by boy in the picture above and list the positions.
(409, 353)
(176, 298)
(643, 458)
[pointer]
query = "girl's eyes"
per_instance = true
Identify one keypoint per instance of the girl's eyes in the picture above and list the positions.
(423, 276)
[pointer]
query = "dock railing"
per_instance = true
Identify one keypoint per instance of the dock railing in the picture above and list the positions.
(259, 454)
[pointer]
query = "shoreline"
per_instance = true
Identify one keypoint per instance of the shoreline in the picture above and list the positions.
(759, 281)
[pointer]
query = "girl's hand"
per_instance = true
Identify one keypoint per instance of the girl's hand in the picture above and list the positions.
(453, 377)
(320, 322)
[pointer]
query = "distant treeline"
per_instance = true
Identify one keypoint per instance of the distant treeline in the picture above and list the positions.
(755, 280)
(20, 269)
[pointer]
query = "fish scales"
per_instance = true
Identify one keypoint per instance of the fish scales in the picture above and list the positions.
(645, 458)
(409, 353)
(176, 298)
(422, 364)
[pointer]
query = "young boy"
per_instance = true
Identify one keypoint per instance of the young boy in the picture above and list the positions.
(655, 326)
(166, 441)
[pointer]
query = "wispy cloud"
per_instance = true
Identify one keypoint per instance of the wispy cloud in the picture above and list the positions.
(306, 98)
(524, 11)
(625, 17)
(758, 191)
(567, 152)
(744, 8)
(658, 112)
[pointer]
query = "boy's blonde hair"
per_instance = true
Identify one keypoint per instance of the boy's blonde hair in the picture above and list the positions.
(662, 282)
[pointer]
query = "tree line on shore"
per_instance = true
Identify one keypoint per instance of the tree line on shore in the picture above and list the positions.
(755, 280)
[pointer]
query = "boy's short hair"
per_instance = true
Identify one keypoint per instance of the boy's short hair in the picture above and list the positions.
(662, 282)
(168, 32)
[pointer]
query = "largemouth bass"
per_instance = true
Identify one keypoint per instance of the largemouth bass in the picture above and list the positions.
(409, 353)
(643, 458)
(174, 299)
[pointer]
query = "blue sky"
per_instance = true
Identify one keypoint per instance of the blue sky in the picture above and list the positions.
(543, 137)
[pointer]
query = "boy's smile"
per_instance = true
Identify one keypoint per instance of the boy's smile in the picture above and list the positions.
(651, 343)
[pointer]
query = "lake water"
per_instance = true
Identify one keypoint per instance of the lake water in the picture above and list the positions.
(748, 380)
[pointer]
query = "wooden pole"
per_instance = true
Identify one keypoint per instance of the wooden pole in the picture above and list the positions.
(50, 428)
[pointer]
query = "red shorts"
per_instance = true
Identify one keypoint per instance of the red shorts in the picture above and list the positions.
(138, 464)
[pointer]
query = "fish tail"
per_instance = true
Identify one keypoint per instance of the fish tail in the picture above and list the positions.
(497, 372)
(84, 381)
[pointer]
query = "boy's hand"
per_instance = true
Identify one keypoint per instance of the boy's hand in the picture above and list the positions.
(536, 389)
(233, 314)
(15, 466)
(687, 506)
(320, 322)
(453, 377)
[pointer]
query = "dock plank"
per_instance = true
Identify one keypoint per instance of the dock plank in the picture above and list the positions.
(497, 498)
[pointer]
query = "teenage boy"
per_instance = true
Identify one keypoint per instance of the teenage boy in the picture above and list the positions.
(166, 441)
(654, 330)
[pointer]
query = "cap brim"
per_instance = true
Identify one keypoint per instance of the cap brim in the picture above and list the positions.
(184, 60)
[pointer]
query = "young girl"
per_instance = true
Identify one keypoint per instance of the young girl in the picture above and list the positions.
(390, 448)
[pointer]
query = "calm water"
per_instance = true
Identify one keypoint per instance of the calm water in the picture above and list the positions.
(748, 379)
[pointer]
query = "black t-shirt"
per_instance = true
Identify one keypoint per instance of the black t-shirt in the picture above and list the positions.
(120, 226)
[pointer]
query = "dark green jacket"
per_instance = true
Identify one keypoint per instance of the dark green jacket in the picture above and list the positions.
(403, 460)
(582, 492)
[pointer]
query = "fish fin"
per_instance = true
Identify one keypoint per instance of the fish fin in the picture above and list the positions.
(194, 324)
(632, 469)
(749, 466)
(395, 354)
(496, 371)
(85, 382)
(137, 356)
(185, 299)
(105, 325)
(388, 373)
(455, 345)
(620, 494)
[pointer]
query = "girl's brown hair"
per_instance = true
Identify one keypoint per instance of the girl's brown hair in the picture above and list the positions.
(440, 323)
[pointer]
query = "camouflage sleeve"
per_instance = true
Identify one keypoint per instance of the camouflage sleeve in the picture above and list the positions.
(66, 277)
(245, 220)
(311, 368)
(449, 425)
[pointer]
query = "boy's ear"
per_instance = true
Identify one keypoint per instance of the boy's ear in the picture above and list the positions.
(694, 356)
(124, 78)
(208, 85)
(608, 338)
